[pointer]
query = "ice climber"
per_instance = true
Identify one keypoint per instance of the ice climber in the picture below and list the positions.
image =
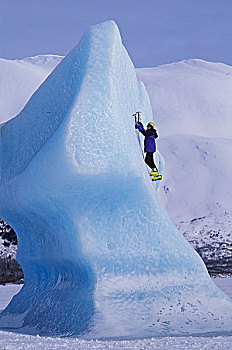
(150, 147)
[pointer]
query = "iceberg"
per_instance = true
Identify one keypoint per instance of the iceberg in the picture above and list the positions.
(100, 255)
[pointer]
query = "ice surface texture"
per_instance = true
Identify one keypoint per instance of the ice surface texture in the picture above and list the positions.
(101, 257)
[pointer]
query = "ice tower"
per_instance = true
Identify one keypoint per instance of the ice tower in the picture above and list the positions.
(100, 255)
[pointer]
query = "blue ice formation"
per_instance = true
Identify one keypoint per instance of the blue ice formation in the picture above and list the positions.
(101, 257)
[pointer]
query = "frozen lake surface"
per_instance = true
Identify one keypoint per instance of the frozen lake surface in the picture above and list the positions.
(7, 292)
(225, 284)
(14, 341)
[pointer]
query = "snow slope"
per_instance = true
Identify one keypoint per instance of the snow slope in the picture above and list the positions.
(191, 97)
(123, 269)
(19, 79)
(191, 102)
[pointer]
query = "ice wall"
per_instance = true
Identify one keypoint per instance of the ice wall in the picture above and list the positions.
(101, 257)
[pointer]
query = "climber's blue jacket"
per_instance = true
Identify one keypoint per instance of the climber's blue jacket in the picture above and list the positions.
(150, 136)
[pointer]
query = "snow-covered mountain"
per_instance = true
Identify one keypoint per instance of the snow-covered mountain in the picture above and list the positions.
(191, 97)
(19, 79)
(192, 109)
(192, 106)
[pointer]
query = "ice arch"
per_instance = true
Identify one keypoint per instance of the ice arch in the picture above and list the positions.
(100, 255)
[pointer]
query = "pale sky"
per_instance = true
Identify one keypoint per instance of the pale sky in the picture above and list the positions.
(154, 31)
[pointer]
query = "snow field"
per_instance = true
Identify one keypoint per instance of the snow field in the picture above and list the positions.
(12, 341)
(192, 106)
(19, 79)
(191, 97)
(191, 102)
(225, 284)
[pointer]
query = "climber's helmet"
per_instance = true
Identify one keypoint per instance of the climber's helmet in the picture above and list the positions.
(151, 125)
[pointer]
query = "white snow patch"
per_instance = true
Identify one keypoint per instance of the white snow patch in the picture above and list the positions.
(191, 102)
(19, 80)
(13, 341)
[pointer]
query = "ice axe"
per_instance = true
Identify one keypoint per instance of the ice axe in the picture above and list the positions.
(137, 117)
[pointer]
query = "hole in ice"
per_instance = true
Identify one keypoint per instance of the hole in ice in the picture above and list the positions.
(11, 271)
